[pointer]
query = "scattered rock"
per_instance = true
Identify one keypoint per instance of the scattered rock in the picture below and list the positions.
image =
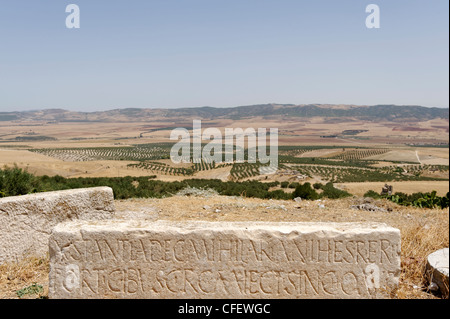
(364, 200)
(436, 272)
(369, 208)
(298, 199)
(196, 192)
(274, 206)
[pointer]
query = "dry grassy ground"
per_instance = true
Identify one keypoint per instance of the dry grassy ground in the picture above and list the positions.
(409, 187)
(423, 231)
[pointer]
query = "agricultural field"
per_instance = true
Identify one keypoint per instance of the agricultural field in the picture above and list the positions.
(382, 152)
(409, 187)
(138, 153)
(359, 154)
(358, 174)
(309, 163)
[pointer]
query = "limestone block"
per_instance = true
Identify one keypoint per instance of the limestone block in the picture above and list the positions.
(437, 270)
(26, 221)
(226, 260)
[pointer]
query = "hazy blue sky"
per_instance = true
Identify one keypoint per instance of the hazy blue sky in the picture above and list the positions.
(188, 53)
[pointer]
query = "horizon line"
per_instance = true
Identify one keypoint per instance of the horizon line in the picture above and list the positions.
(219, 107)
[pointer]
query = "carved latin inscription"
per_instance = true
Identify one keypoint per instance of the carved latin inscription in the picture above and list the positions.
(207, 260)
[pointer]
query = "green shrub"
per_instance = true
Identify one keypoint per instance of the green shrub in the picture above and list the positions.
(305, 191)
(318, 186)
(15, 181)
(278, 194)
(421, 200)
(329, 191)
(372, 194)
(30, 290)
(445, 201)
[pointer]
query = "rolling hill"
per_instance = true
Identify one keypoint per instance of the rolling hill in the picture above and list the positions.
(375, 113)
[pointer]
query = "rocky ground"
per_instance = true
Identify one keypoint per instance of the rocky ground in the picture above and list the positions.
(423, 231)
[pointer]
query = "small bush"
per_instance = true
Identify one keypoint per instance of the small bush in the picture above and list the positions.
(329, 191)
(372, 194)
(305, 191)
(318, 186)
(278, 194)
(15, 181)
(421, 200)
(34, 289)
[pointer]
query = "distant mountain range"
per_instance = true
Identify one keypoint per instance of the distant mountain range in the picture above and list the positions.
(394, 113)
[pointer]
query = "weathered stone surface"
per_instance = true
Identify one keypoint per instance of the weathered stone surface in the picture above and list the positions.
(437, 270)
(194, 260)
(26, 221)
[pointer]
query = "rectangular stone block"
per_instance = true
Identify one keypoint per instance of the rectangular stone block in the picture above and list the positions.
(234, 260)
(26, 221)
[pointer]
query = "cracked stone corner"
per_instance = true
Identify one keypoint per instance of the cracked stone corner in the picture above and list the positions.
(26, 222)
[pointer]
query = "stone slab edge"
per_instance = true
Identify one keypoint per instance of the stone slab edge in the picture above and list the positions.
(26, 221)
(437, 270)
